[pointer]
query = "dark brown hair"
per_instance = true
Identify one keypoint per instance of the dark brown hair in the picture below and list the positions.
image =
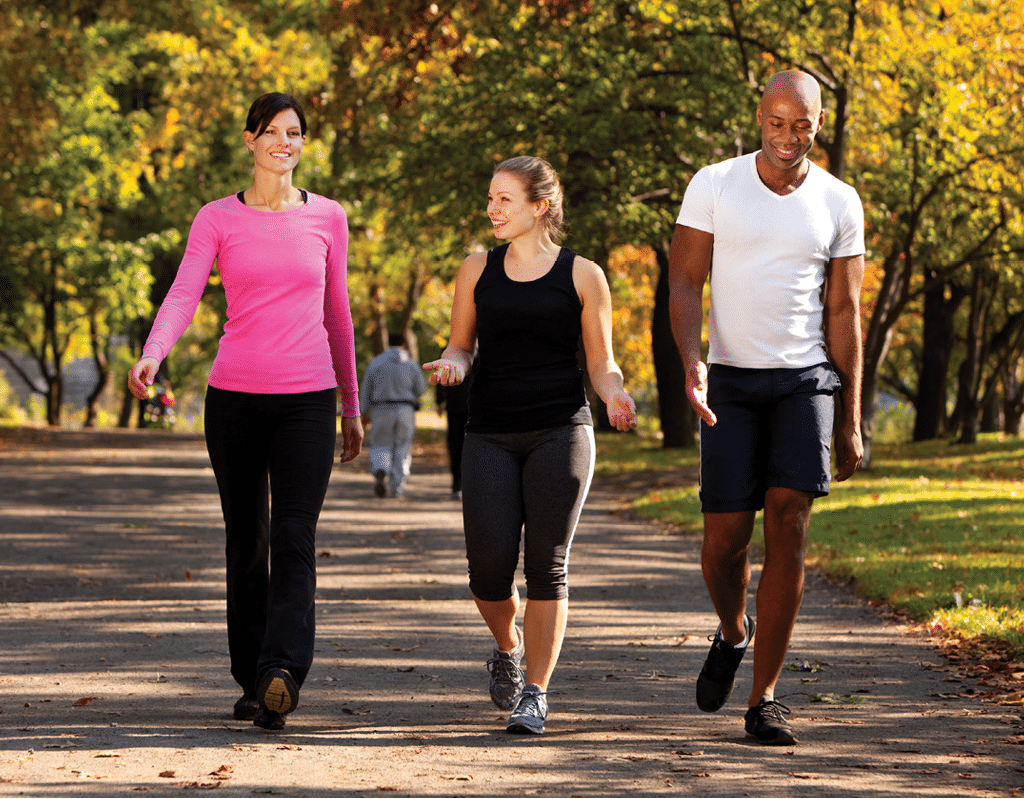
(265, 108)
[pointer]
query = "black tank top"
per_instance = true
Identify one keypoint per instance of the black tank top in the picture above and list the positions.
(529, 333)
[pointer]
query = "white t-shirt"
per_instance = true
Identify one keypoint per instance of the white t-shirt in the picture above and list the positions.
(769, 260)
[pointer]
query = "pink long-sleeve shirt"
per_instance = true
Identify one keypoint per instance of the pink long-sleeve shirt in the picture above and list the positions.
(289, 324)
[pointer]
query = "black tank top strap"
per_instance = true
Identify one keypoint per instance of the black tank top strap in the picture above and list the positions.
(303, 192)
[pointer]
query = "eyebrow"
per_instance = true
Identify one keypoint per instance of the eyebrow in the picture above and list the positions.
(783, 119)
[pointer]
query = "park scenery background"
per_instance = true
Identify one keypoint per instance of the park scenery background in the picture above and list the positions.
(122, 119)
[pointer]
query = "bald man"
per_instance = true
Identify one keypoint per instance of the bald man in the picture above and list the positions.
(783, 243)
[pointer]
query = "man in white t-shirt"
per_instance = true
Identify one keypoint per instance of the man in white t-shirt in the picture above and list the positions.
(783, 243)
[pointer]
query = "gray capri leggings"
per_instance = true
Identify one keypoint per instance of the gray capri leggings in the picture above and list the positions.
(530, 486)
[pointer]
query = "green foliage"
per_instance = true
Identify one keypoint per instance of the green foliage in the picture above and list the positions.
(123, 118)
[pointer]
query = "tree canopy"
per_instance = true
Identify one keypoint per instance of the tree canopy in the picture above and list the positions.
(123, 119)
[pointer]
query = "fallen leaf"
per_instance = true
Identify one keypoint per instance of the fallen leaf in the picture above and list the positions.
(167, 774)
(85, 700)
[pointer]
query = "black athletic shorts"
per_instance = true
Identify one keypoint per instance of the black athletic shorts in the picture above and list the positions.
(774, 430)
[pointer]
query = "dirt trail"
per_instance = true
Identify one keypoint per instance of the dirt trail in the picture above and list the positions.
(114, 679)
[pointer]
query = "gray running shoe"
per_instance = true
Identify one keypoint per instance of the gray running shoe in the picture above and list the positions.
(506, 675)
(530, 711)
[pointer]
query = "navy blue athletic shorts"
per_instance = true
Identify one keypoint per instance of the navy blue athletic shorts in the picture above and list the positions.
(774, 430)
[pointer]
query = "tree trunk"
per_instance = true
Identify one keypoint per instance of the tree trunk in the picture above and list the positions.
(101, 358)
(970, 371)
(888, 306)
(379, 336)
(1013, 400)
(678, 427)
(938, 334)
(991, 414)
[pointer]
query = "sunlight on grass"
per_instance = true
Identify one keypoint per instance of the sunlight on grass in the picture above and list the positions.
(933, 529)
(923, 545)
(639, 452)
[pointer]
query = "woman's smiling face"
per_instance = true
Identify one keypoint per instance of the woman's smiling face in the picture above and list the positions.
(508, 208)
(279, 147)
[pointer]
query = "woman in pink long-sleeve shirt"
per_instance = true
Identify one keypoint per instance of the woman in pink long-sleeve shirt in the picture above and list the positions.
(286, 353)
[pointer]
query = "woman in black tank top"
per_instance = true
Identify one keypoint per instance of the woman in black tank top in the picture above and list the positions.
(528, 456)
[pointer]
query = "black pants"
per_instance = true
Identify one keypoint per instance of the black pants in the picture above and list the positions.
(529, 489)
(264, 445)
(455, 436)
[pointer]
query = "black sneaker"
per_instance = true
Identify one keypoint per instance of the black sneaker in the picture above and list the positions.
(379, 487)
(530, 712)
(268, 719)
(245, 707)
(714, 685)
(766, 722)
(278, 692)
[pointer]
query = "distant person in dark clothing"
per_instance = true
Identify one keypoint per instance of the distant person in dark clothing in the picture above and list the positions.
(453, 402)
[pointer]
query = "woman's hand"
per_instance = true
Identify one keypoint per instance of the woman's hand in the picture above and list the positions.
(446, 372)
(141, 377)
(621, 411)
(351, 438)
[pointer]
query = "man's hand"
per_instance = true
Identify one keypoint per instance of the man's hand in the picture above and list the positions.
(849, 451)
(697, 392)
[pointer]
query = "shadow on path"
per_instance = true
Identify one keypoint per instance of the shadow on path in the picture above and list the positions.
(113, 670)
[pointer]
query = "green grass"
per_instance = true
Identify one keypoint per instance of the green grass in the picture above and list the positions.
(933, 529)
(639, 452)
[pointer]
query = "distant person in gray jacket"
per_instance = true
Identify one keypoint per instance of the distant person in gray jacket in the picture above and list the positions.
(392, 386)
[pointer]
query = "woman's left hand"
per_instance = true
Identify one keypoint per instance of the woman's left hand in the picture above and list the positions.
(621, 411)
(351, 437)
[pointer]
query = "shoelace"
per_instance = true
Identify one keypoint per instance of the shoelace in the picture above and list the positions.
(774, 709)
(506, 669)
(528, 704)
